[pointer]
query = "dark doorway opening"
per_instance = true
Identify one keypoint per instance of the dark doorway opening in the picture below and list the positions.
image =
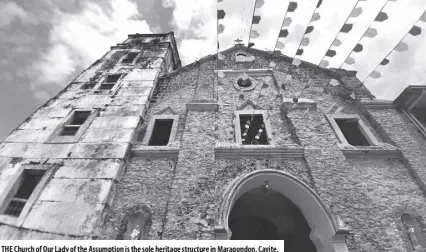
(269, 215)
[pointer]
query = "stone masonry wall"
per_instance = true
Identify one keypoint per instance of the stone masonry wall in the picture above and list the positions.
(73, 203)
(369, 194)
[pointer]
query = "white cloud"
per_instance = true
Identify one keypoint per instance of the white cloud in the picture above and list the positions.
(77, 40)
(9, 12)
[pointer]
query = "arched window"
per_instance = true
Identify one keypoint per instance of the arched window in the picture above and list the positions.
(136, 224)
(415, 234)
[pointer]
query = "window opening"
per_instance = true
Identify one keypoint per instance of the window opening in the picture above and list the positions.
(110, 81)
(88, 86)
(253, 130)
(78, 119)
(244, 83)
(241, 57)
(130, 57)
(420, 115)
(28, 182)
(352, 132)
(161, 132)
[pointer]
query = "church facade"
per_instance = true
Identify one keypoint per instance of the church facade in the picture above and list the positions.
(240, 145)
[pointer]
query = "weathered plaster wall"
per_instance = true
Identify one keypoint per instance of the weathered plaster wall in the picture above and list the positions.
(74, 200)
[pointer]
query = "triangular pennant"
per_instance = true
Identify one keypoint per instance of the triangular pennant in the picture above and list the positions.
(381, 17)
(292, 7)
(296, 62)
(356, 12)
(324, 64)
(375, 74)
(254, 34)
(384, 62)
(256, 20)
(220, 28)
(259, 3)
(315, 17)
(279, 45)
(309, 29)
(299, 52)
(337, 43)
(319, 3)
(346, 28)
(250, 45)
(287, 21)
(371, 33)
(353, 95)
(283, 33)
(305, 42)
(330, 53)
(423, 17)
(415, 31)
(220, 14)
(401, 47)
(350, 61)
(358, 48)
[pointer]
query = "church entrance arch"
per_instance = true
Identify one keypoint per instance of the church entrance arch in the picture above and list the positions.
(271, 204)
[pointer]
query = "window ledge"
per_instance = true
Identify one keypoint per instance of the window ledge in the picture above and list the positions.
(9, 220)
(226, 150)
(380, 151)
(169, 151)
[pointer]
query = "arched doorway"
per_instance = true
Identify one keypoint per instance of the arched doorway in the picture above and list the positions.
(297, 200)
(261, 214)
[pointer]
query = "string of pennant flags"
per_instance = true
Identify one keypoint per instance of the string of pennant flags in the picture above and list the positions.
(332, 51)
(346, 28)
(370, 33)
(402, 46)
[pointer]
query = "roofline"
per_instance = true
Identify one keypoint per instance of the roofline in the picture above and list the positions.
(330, 71)
(408, 93)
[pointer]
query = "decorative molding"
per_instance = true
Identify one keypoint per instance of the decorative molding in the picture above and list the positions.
(302, 103)
(166, 111)
(249, 105)
(250, 72)
(226, 150)
(202, 106)
(375, 104)
(154, 152)
(371, 153)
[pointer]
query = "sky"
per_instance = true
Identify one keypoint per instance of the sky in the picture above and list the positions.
(45, 44)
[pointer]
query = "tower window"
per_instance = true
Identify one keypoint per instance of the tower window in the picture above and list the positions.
(74, 124)
(352, 132)
(161, 132)
(129, 58)
(110, 81)
(253, 130)
(26, 185)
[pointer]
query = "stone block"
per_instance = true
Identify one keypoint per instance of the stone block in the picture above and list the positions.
(79, 191)
(41, 123)
(90, 169)
(107, 135)
(125, 110)
(29, 136)
(137, 91)
(35, 150)
(123, 122)
(113, 151)
(64, 217)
